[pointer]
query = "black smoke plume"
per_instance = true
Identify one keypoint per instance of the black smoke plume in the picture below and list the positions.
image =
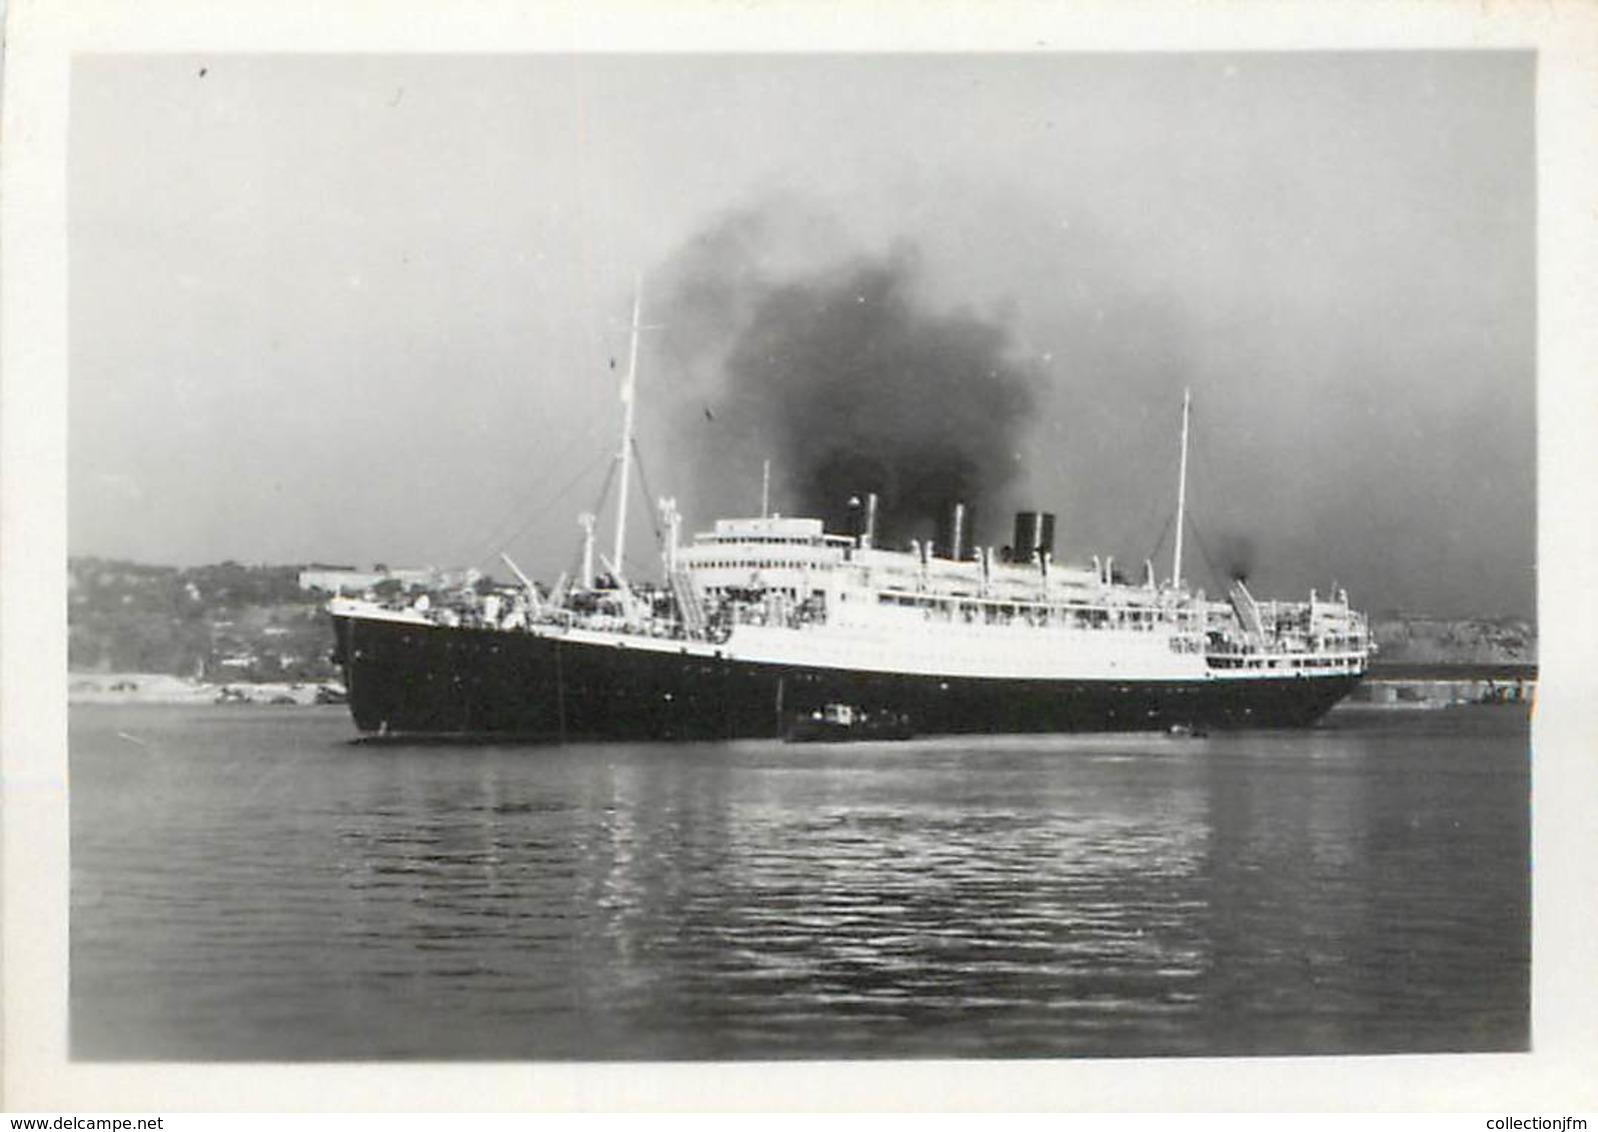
(834, 366)
(1238, 556)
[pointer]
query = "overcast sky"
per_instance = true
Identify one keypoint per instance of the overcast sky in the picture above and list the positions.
(358, 309)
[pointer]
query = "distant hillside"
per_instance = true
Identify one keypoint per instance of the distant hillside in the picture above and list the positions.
(1410, 639)
(227, 622)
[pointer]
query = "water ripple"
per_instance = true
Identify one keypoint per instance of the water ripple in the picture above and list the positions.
(1005, 898)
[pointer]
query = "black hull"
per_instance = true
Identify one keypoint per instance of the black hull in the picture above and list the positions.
(407, 679)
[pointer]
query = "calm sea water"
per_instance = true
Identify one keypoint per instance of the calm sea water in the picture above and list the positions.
(248, 884)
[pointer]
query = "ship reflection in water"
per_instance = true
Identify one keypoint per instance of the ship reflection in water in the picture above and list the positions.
(254, 888)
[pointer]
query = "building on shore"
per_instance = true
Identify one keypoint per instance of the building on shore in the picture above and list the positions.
(1433, 692)
(349, 581)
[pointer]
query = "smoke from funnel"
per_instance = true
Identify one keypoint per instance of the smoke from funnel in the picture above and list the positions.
(840, 372)
(1238, 557)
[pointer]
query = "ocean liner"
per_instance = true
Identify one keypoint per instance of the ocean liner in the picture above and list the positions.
(764, 622)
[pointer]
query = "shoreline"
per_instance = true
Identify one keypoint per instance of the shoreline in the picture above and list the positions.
(162, 688)
(1375, 693)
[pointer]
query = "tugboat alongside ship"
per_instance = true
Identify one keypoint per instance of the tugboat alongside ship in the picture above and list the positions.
(841, 723)
(772, 626)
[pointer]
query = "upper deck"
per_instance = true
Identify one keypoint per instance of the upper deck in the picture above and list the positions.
(789, 572)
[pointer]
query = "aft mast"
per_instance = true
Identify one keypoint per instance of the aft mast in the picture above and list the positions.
(1181, 494)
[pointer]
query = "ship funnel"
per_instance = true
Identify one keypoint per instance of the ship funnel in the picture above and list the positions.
(954, 533)
(1034, 535)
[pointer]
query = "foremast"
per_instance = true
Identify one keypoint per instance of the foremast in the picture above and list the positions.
(624, 455)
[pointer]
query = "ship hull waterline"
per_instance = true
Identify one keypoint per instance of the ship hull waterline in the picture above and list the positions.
(408, 680)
